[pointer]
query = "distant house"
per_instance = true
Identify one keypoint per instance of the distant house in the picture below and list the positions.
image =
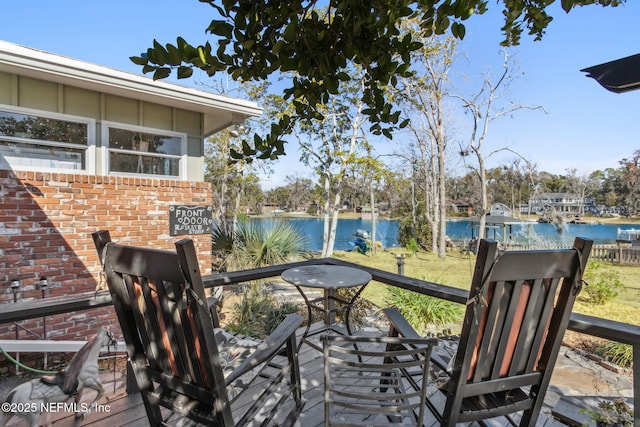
(460, 207)
(367, 213)
(565, 203)
(85, 147)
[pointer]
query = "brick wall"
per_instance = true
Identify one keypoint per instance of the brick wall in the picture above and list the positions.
(46, 221)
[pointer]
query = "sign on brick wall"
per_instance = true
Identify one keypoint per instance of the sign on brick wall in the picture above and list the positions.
(189, 220)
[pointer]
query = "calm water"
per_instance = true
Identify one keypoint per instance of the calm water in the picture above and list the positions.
(536, 232)
(312, 228)
(387, 231)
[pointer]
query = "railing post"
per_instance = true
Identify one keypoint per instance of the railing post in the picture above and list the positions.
(636, 384)
(400, 261)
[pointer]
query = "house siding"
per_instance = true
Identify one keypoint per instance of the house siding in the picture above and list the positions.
(26, 92)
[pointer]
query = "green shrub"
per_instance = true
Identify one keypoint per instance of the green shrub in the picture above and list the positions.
(258, 313)
(412, 246)
(618, 353)
(602, 283)
(277, 313)
(611, 413)
(361, 308)
(422, 310)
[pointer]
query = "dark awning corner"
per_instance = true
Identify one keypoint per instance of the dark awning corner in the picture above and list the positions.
(621, 75)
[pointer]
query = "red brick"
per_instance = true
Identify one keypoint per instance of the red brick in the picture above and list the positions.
(53, 231)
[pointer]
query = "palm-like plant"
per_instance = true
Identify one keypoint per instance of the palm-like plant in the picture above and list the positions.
(252, 245)
(256, 245)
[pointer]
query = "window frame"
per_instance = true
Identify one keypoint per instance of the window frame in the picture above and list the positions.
(89, 149)
(182, 158)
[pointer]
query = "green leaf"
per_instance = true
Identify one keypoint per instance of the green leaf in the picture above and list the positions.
(221, 28)
(331, 82)
(174, 55)
(184, 72)
(161, 73)
(342, 76)
(138, 60)
(246, 149)
(567, 5)
(148, 68)
(461, 31)
(442, 23)
(278, 46)
(202, 55)
(235, 155)
(291, 32)
(160, 54)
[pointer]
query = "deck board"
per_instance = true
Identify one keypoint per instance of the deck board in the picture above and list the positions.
(129, 410)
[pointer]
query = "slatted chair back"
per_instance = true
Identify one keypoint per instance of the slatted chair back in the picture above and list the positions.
(518, 310)
(372, 381)
(100, 240)
(159, 299)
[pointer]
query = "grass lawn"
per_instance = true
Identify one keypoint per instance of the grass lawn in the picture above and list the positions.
(455, 270)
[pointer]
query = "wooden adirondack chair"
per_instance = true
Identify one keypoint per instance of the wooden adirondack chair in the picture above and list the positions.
(100, 240)
(518, 310)
(180, 361)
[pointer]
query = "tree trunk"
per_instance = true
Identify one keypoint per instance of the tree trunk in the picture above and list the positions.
(372, 199)
(442, 196)
(484, 202)
(335, 213)
(326, 220)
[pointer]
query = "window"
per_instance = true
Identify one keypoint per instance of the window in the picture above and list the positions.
(34, 140)
(144, 151)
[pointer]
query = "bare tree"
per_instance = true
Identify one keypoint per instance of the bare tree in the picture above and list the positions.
(579, 185)
(331, 146)
(484, 108)
(424, 96)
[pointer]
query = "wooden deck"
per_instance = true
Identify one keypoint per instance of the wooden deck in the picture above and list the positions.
(122, 409)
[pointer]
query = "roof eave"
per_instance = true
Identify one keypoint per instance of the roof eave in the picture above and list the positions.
(47, 66)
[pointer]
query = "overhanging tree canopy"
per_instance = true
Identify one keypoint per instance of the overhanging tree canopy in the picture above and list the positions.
(320, 41)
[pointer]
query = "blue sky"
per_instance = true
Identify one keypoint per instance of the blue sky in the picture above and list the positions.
(585, 127)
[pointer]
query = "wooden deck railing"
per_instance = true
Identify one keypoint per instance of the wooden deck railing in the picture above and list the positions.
(616, 254)
(594, 326)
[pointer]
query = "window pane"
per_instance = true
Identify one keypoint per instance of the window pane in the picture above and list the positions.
(145, 142)
(40, 156)
(42, 128)
(136, 163)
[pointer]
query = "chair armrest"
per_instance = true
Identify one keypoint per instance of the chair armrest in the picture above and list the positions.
(404, 329)
(269, 347)
(400, 324)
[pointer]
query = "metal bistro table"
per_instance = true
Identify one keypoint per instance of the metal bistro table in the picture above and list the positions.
(330, 278)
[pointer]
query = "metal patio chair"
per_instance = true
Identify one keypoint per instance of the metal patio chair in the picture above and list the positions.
(516, 315)
(371, 381)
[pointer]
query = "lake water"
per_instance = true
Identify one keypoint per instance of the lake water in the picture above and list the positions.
(312, 229)
(549, 233)
(387, 231)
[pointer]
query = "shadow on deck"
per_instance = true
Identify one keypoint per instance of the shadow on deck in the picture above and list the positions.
(120, 409)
